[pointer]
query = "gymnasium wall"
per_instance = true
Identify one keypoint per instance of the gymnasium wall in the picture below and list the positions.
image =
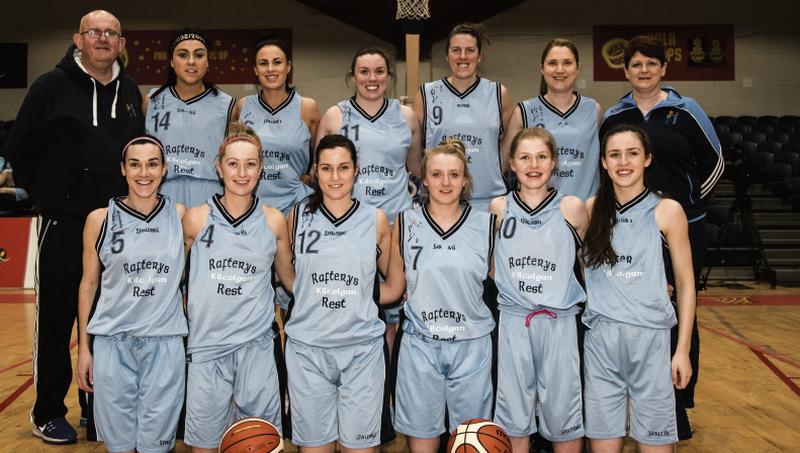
(767, 44)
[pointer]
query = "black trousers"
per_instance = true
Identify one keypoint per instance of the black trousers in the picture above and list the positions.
(697, 240)
(59, 274)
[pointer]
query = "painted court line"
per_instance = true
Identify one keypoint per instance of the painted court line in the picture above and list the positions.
(21, 389)
(749, 301)
(786, 380)
(15, 394)
(719, 333)
(12, 366)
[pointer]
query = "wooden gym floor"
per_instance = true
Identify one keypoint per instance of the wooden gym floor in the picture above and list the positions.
(748, 397)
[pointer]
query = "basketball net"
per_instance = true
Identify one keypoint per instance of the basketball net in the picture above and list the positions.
(412, 11)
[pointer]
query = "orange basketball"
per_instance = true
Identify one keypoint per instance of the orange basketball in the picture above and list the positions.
(251, 435)
(479, 436)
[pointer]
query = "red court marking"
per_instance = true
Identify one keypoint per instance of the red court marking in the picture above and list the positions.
(17, 298)
(748, 345)
(13, 396)
(792, 386)
(21, 389)
(739, 301)
(12, 366)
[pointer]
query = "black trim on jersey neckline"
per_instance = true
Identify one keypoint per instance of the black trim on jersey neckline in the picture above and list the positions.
(234, 221)
(621, 208)
(338, 221)
(141, 216)
(366, 115)
(551, 195)
(558, 112)
(281, 106)
(466, 92)
(193, 99)
(435, 226)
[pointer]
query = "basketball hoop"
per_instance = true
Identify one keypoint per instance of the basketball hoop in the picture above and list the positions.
(412, 10)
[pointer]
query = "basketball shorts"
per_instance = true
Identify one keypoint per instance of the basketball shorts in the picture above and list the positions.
(433, 374)
(539, 364)
(189, 191)
(241, 384)
(336, 393)
(282, 298)
(392, 314)
(629, 365)
(138, 391)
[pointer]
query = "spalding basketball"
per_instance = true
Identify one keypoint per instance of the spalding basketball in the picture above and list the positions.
(251, 435)
(479, 436)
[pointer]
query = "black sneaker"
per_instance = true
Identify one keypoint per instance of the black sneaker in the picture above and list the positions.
(57, 431)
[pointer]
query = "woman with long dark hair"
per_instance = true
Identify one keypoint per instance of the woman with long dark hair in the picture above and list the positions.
(635, 238)
(190, 116)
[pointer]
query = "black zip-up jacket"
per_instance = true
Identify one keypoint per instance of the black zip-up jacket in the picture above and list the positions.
(687, 155)
(66, 143)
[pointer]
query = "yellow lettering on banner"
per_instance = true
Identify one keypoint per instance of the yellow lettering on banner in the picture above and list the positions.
(160, 55)
(671, 40)
(223, 54)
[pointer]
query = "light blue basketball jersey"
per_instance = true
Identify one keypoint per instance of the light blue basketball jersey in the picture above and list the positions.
(634, 290)
(445, 271)
(382, 142)
(476, 118)
(141, 258)
(191, 130)
(287, 149)
(335, 267)
(230, 292)
(535, 255)
(578, 144)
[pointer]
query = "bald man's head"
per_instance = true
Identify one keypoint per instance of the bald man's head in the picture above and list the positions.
(88, 19)
(100, 41)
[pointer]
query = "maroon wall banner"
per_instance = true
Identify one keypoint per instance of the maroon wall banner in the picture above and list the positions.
(230, 57)
(694, 52)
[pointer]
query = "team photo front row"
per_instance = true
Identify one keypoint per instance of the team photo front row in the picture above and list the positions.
(605, 263)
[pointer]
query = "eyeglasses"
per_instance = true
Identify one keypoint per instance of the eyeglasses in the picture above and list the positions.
(95, 33)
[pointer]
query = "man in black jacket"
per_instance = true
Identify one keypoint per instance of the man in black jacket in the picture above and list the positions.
(65, 150)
